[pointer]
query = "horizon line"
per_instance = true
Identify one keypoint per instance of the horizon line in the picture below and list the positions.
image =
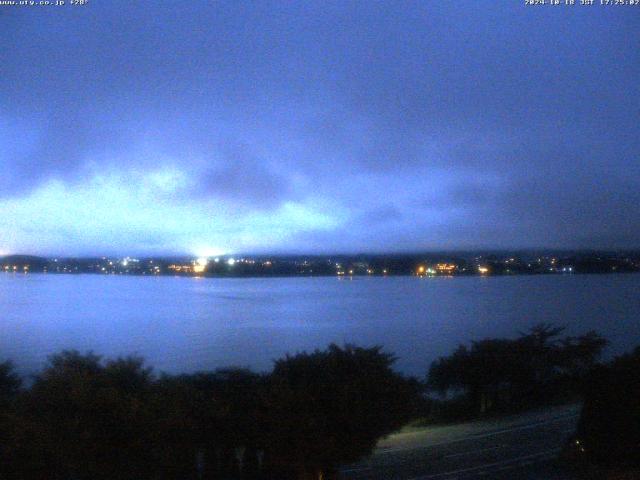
(478, 250)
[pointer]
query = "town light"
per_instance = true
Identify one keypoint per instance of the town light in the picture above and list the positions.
(202, 261)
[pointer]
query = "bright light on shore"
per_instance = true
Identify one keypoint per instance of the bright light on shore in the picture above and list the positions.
(203, 261)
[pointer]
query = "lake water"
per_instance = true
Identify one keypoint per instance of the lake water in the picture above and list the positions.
(187, 324)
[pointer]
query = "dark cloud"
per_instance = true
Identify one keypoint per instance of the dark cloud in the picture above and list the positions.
(385, 215)
(241, 177)
(587, 210)
(62, 147)
(464, 194)
(423, 125)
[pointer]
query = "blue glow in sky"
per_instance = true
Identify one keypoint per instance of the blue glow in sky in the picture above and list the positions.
(211, 127)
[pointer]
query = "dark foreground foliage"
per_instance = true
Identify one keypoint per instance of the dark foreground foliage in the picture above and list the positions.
(609, 427)
(508, 374)
(86, 418)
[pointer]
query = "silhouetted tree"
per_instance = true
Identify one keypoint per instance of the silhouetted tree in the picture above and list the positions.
(219, 416)
(182, 416)
(579, 354)
(85, 420)
(328, 408)
(524, 370)
(482, 371)
(609, 427)
(88, 418)
(10, 384)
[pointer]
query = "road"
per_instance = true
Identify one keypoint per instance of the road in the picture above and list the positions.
(516, 447)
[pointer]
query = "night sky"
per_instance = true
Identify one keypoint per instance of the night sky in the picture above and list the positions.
(204, 127)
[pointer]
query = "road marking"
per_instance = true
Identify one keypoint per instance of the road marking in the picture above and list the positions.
(479, 435)
(505, 464)
(461, 454)
(526, 427)
(355, 469)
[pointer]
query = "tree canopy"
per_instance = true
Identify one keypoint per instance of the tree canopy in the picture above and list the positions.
(494, 372)
(85, 417)
(609, 425)
(330, 407)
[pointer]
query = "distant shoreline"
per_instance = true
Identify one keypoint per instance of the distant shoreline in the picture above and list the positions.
(341, 277)
(347, 266)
